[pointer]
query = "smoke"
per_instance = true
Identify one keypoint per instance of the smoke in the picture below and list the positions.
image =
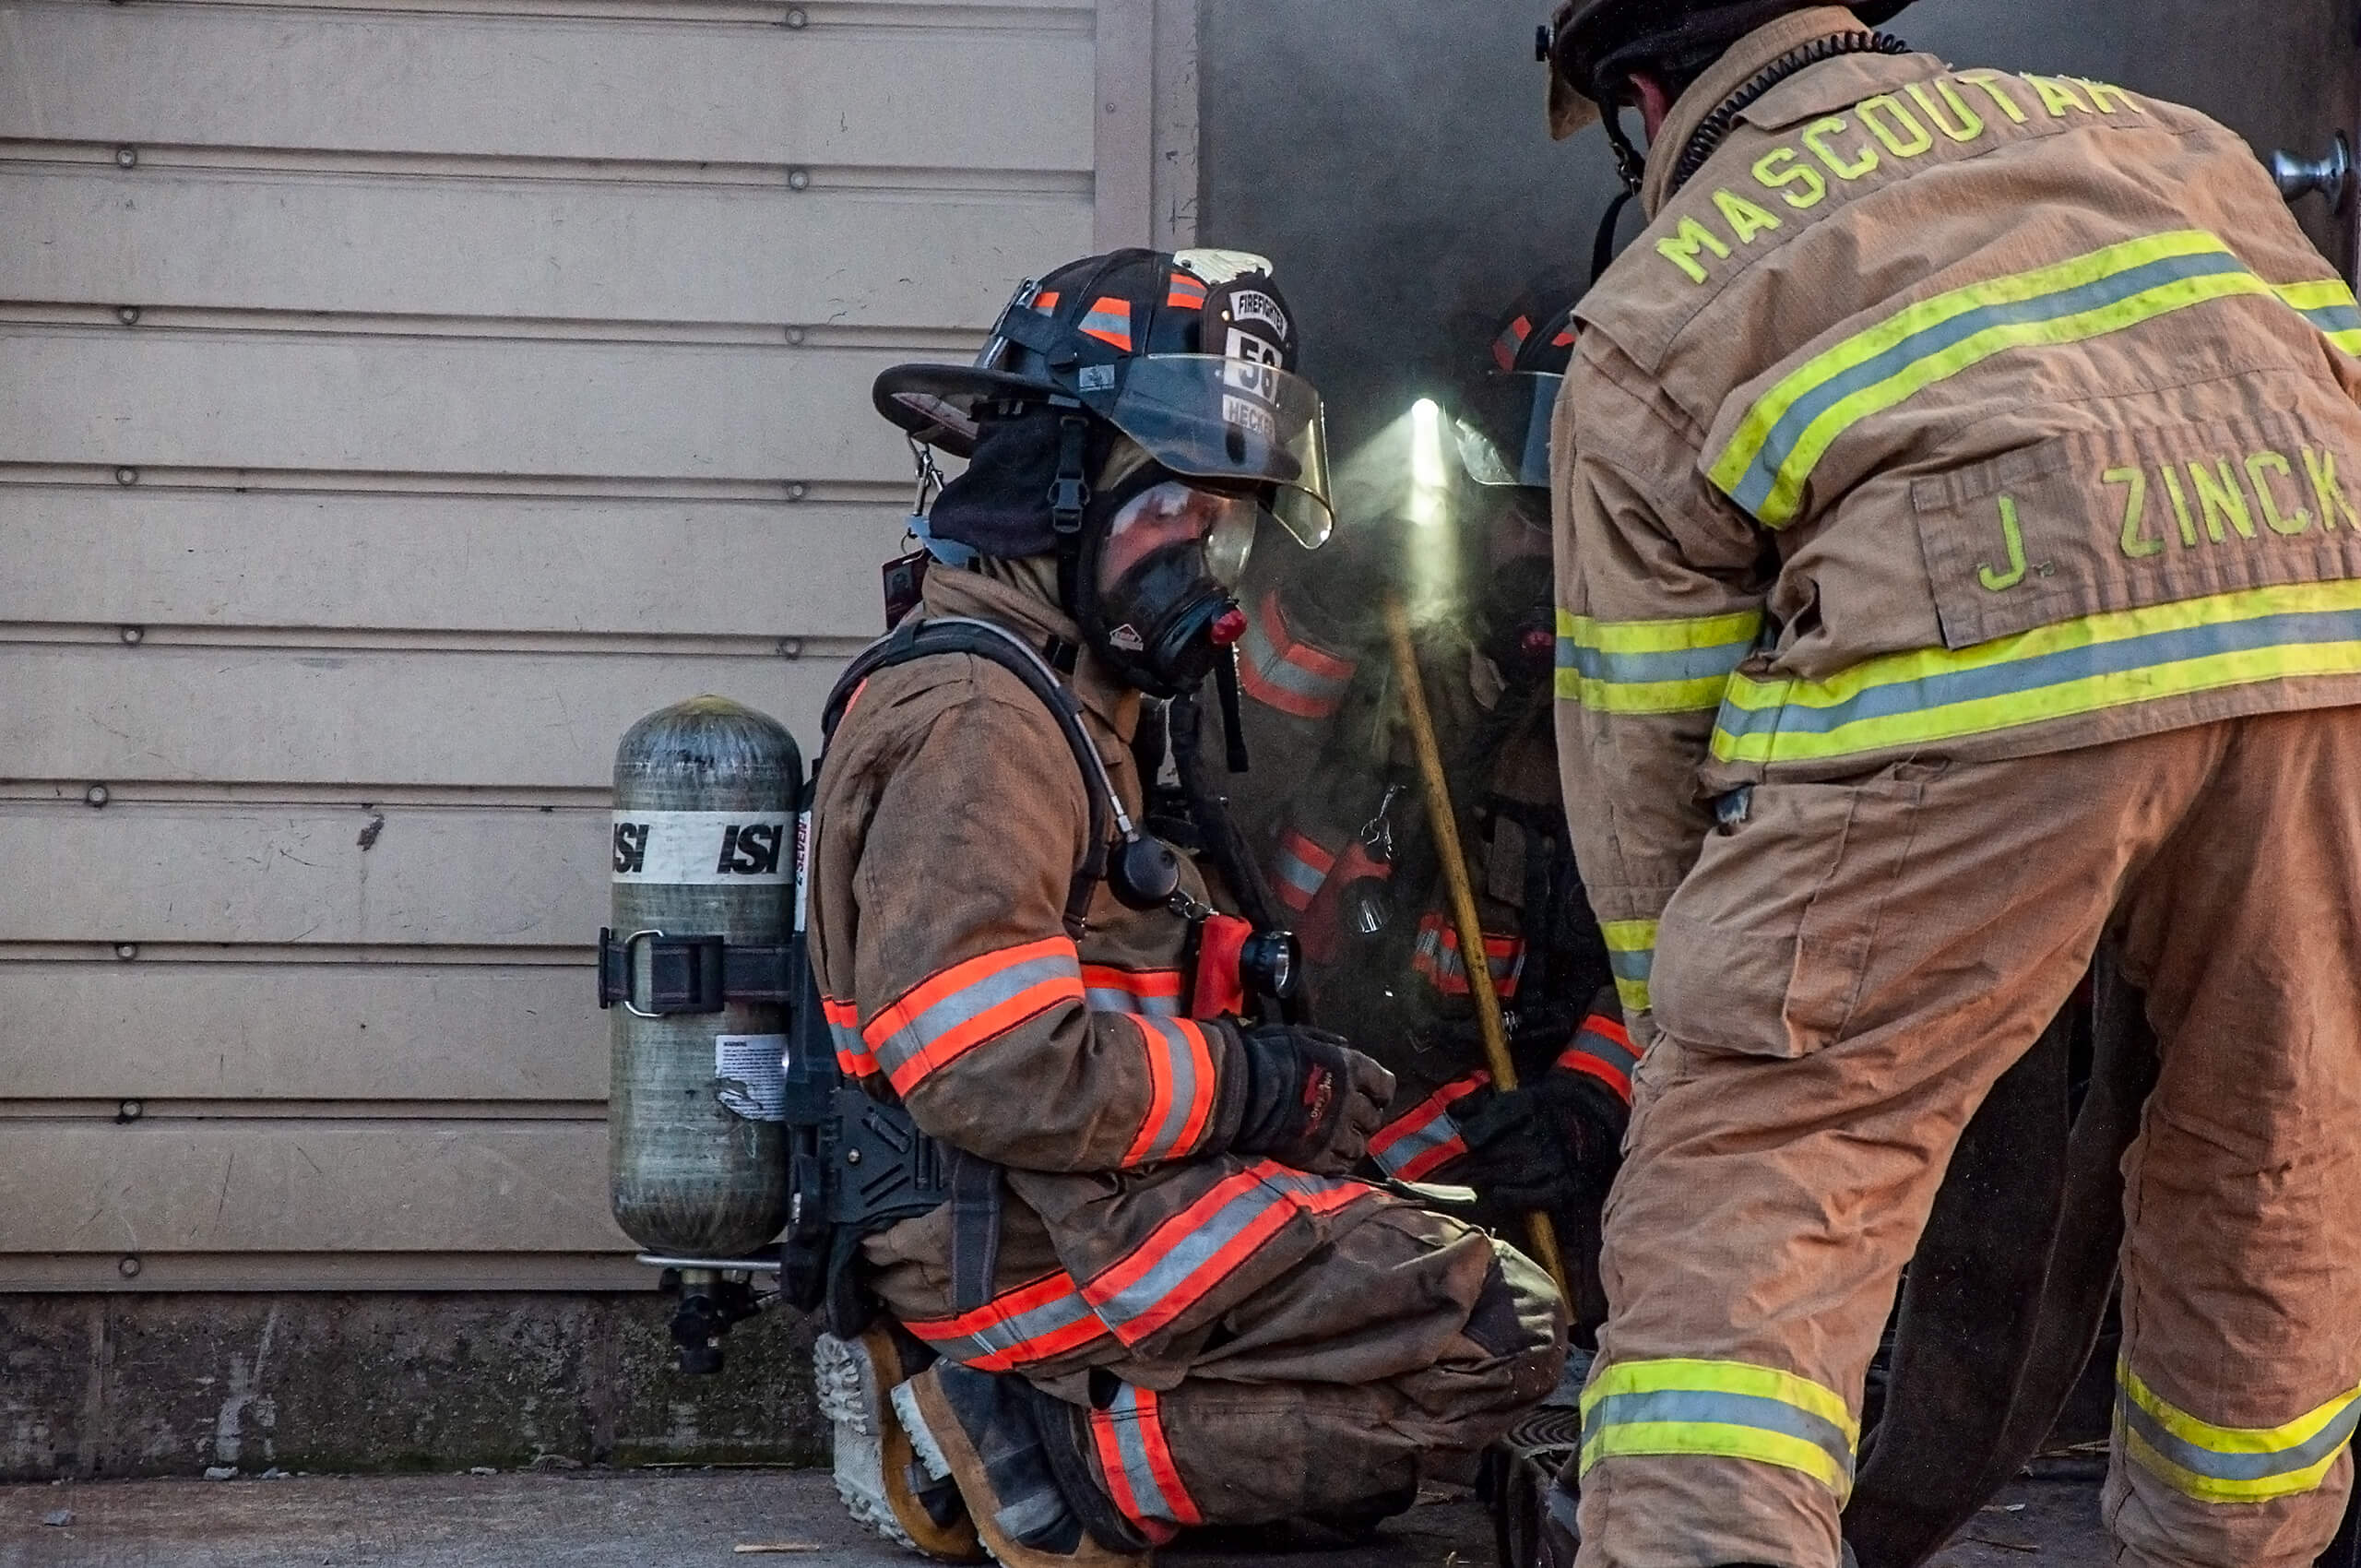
(1394, 158)
(1391, 156)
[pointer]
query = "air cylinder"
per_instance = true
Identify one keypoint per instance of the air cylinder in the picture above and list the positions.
(704, 847)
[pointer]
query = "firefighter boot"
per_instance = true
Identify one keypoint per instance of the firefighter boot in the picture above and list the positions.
(884, 1486)
(1017, 1456)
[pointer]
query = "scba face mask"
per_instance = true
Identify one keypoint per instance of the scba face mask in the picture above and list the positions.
(1158, 578)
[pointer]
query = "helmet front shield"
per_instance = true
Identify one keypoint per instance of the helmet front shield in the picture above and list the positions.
(1226, 422)
(1503, 428)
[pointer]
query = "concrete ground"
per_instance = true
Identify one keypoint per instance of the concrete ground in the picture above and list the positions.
(597, 1518)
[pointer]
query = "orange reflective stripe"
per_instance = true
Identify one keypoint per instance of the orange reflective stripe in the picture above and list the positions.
(1155, 993)
(1280, 671)
(1602, 1048)
(1180, 1074)
(1032, 1323)
(1425, 1138)
(1303, 867)
(1046, 301)
(1436, 956)
(853, 1054)
(1192, 1252)
(1110, 321)
(959, 1008)
(1136, 1460)
(1186, 293)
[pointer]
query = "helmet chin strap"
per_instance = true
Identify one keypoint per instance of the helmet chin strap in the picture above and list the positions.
(1630, 166)
(1069, 499)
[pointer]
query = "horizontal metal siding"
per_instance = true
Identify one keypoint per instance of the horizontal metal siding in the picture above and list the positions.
(396, 401)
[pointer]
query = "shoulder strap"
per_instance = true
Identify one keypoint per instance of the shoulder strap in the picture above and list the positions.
(915, 639)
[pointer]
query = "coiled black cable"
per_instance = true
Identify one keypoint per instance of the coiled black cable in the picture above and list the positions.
(1717, 125)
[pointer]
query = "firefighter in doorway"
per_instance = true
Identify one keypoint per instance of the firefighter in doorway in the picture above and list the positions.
(1957, 562)
(1333, 804)
(1156, 1299)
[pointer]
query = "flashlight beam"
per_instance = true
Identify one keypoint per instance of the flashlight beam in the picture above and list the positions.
(1429, 474)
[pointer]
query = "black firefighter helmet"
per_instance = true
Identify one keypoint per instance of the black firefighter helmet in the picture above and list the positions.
(1501, 414)
(1592, 45)
(1133, 413)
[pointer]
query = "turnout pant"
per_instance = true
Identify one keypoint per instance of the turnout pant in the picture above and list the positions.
(1839, 982)
(1320, 1392)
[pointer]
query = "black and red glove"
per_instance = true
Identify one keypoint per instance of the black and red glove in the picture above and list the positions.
(1311, 1100)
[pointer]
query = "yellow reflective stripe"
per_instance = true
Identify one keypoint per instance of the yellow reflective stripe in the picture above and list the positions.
(1784, 435)
(1719, 1410)
(1713, 1440)
(2316, 296)
(1630, 936)
(1651, 667)
(1644, 699)
(1723, 1377)
(2232, 1440)
(1941, 693)
(2206, 1488)
(1660, 637)
(1631, 954)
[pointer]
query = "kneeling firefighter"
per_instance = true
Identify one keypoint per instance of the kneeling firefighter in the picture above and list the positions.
(1332, 803)
(1152, 1298)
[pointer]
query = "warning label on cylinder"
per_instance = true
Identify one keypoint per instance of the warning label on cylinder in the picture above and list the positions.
(752, 1075)
(702, 848)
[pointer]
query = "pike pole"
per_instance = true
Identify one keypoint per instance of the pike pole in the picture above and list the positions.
(1542, 1233)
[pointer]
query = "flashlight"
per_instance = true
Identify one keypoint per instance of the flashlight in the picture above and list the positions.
(1429, 475)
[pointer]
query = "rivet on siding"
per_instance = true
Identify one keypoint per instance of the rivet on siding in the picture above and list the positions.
(134, 634)
(127, 314)
(790, 647)
(128, 1268)
(126, 157)
(129, 1111)
(95, 795)
(126, 476)
(798, 492)
(795, 337)
(799, 179)
(798, 18)
(126, 950)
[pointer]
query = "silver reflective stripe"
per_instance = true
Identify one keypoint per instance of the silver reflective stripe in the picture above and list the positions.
(1689, 1406)
(1179, 1052)
(962, 1007)
(1106, 999)
(1275, 669)
(1025, 1327)
(849, 1041)
(1434, 1135)
(1124, 1418)
(1607, 1051)
(1633, 966)
(1197, 1249)
(1300, 874)
(2215, 1465)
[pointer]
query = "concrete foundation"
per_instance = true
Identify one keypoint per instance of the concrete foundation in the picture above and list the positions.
(176, 1385)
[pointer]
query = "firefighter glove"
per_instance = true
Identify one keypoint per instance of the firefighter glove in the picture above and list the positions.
(1551, 1146)
(1311, 1100)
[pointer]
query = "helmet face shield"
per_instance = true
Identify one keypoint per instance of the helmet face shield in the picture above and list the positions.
(1503, 428)
(1174, 516)
(1224, 422)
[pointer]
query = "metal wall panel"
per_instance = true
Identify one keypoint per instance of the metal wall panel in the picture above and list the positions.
(397, 400)
(464, 246)
(899, 90)
(363, 718)
(105, 555)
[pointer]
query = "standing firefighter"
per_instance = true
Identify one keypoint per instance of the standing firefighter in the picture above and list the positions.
(1957, 562)
(1332, 803)
(1153, 1300)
